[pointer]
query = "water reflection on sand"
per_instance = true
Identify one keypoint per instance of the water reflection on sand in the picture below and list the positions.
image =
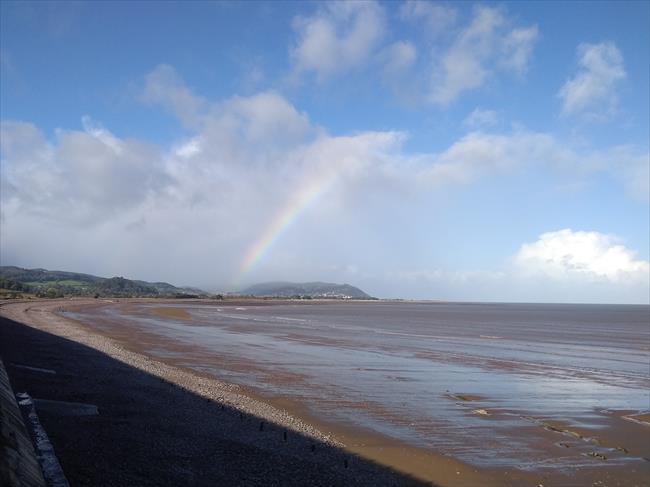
(497, 385)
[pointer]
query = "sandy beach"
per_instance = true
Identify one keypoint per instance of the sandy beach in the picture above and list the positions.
(158, 425)
(187, 416)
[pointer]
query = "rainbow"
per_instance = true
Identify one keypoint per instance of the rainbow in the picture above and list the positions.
(304, 198)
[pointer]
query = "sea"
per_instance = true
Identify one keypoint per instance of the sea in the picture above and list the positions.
(486, 383)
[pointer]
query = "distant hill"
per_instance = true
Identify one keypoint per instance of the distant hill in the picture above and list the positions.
(305, 290)
(60, 283)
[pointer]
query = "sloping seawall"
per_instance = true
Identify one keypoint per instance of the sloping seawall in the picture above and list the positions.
(18, 464)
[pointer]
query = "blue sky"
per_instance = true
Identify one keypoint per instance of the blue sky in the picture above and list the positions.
(470, 151)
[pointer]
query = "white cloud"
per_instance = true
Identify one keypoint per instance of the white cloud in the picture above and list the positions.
(262, 143)
(635, 172)
(593, 89)
(486, 45)
(189, 148)
(479, 153)
(582, 256)
(517, 48)
(480, 118)
(267, 117)
(398, 63)
(339, 37)
(447, 60)
(81, 176)
(164, 87)
(100, 133)
(630, 166)
(563, 266)
(399, 57)
(245, 160)
(437, 17)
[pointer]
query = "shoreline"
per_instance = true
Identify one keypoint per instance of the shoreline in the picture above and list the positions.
(207, 387)
(159, 425)
(419, 463)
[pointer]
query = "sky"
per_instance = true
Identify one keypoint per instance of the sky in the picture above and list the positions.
(425, 150)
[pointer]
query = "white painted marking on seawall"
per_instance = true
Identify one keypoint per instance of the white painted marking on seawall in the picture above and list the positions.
(52, 471)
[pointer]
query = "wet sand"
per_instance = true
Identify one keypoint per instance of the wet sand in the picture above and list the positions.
(172, 313)
(422, 463)
(158, 425)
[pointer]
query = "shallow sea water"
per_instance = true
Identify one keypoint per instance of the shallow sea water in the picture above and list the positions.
(474, 381)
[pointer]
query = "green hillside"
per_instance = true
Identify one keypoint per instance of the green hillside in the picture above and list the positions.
(323, 290)
(45, 283)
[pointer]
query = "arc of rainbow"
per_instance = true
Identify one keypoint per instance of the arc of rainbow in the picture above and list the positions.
(287, 216)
